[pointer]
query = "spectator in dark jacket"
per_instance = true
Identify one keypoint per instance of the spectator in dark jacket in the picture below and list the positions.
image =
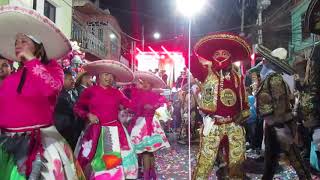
(65, 120)
(84, 80)
(182, 80)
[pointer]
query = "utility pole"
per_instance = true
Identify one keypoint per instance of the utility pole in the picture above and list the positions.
(261, 6)
(97, 3)
(142, 35)
(242, 17)
(133, 53)
(260, 25)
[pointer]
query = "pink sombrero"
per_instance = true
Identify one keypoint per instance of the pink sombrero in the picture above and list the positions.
(154, 80)
(121, 72)
(14, 20)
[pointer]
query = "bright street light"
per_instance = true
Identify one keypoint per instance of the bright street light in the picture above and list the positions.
(156, 35)
(189, 7)
(112, 36)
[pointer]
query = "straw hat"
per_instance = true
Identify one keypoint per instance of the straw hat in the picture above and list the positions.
(154, 80)
(278, 57)
(121, 72)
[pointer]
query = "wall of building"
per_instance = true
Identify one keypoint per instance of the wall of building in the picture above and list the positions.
(101, 25)
(63, 14)
(299, 42)
(113, 42)
(63, 11)
(4, 2)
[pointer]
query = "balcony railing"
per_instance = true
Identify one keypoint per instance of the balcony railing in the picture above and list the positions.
(88, 41)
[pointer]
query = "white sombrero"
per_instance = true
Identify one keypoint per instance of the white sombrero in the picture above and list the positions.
(14, 20)
(278, 57)
(121, 72)
(154, 80)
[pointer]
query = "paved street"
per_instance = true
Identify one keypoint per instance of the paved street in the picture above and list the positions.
(173, 164)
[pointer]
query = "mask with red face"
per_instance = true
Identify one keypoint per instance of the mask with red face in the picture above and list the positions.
(221, 59)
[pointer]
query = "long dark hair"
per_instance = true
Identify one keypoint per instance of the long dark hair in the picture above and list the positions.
(41, 54)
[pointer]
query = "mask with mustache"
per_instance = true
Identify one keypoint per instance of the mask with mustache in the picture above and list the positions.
(221, 60)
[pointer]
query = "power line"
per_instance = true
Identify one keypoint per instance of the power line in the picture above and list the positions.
(135, 39)
(271, 19)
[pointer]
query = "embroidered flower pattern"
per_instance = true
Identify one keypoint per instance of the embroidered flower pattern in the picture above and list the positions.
(68, 152)
(43, 73)
(57, 171)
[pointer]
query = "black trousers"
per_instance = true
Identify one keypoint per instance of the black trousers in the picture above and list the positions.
(254, 133)
(272, 150)
(258, 133)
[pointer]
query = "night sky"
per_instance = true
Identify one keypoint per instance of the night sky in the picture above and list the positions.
(162, 16)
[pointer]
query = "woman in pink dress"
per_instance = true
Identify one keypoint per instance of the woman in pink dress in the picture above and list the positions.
(145, 129)
(30, 146)
(104, 150)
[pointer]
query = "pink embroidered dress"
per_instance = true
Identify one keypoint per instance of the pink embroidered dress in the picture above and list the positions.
(105, 151)
(35, 105)
(26, 121)
(145, 130)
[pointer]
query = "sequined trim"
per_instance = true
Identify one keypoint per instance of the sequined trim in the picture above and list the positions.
(209, 95)
(245, 113)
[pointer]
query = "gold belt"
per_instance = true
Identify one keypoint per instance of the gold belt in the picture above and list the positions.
(223, 120)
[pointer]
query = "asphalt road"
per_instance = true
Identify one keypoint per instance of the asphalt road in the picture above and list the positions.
(173, 164)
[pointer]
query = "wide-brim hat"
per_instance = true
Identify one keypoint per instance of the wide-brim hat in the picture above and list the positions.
(274, 59)
(239, 48)
(312, 18)
(14, 20)
(150, 77)
(120, 71)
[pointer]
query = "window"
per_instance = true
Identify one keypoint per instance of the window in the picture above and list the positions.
(96, 28)
(114, 44)
(34, 6)
(305, 35)
(50, 11)
(100, 34)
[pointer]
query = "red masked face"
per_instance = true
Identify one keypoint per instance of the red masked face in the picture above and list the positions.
(221, 59)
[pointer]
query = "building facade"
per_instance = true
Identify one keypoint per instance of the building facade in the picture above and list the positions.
(59, 11)
(97, 31)
(301, 42)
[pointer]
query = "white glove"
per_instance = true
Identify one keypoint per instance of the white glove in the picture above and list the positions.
(208, 124)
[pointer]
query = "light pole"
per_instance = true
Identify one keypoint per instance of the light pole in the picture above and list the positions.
(189, 8)
(262, 5)
(242, 17)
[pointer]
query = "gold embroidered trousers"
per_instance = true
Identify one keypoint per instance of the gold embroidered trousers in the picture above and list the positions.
(209, 147)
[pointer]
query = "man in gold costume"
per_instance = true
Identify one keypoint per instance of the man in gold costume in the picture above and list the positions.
(273, 103)
(223, 103)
